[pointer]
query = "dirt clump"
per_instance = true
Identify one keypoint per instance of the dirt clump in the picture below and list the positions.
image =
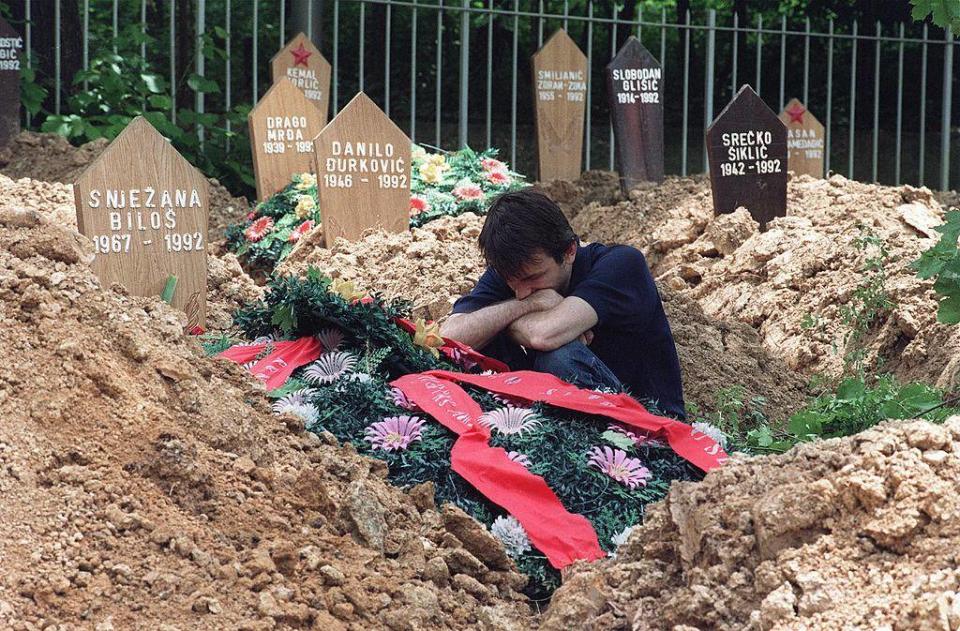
(853, 533)
(792, 282)
(51, 158)
(600, 187)
(145, 485)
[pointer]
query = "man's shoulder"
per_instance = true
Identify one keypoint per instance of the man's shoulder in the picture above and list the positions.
(599, 254)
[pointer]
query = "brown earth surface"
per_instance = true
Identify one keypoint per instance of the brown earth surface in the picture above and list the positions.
(433, 265)
(143, 485)
(854, 533)
(51, 158)
(791, 282)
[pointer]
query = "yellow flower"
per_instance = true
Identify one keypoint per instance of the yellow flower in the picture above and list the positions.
(438, 160)
(430, 173)
(346, 289)
(428, 336)
(418, 153)
(306, 181)
(305, 205)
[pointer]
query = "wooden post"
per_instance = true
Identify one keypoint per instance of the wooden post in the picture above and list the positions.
(301, 62)
(11, 44)
(560, 78)
(804, 139)
(363, 175)
(146, 209)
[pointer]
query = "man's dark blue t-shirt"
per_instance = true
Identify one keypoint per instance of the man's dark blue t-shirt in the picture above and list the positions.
(632, 335)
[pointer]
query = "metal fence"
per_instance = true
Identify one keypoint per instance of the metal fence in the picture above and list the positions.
(441, 70)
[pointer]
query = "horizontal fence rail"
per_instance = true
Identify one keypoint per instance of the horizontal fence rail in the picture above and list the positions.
(457, 72)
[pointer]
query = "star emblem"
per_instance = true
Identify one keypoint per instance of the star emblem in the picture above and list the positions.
(300, 56)
(796, 113)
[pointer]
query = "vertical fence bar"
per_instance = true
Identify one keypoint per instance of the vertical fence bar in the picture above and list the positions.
(363, 43)
(513, 87)
(256, 38)
(589, 131)
(489, 74)
(116, 26)
(229, 50)
(566, 15)
(896, 160)
(613, 52)
(708, 79)
(640, 25)
(945, 118)
(86, 40)
(663, 41)
(829, 96)
(173, 63)
(806, 65)
(783, 56)
(336, 57)
(56, 53)
(686, 93)
(736, 44)
(283, 23)
(464, 72)
(413, 72)
(28, 32)
(200, 66)
(759, 49)
(923, 107)
(143, 29)
(540, 26)
(386, 65)
(437, 103)
(853, 101)
(876, 103)
(309, 18)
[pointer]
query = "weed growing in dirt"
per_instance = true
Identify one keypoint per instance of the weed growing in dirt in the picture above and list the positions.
(942, 262)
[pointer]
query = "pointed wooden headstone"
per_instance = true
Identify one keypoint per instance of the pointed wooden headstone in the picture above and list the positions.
(805, 140)
(363, 172)
(146, 207)
(747, 148)
(11, 44)
(282, 128)
(301, 62)
(635, 89)
(560, 78)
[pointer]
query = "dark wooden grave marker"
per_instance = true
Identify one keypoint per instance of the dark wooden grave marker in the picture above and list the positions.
(146, 208)
(805, 140)
(635, 90)
(11, 45)
(560, 78)
(747, 149)
(301, 62)
(363, 172)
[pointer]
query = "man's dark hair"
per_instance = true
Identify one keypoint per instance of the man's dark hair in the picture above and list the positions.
(518, 224)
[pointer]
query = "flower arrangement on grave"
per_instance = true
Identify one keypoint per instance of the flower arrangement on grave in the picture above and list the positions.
(597, 469)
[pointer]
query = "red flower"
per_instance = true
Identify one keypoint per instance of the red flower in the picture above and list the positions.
(418, 205)
(301, 230)
(251, 215)
(490, 164)
(498, 177)
(258, 229)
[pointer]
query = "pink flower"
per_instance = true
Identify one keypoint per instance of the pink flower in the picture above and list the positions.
(492, 164)
(468, 191)
(460, 357)
(258, 229)
(418, 205)
(394, 433)
(400, 399)
(519, 458)
(616, 464)
(251, 215)
(498, 177)
(510, 420)
(301, 230)
(638, 439)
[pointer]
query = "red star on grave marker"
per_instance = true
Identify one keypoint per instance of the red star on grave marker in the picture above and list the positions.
(300, 56)
(796, 113)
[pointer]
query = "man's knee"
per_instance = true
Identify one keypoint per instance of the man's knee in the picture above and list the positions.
(564, 362)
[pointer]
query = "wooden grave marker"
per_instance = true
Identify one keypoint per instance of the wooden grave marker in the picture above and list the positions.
(282, 128)
(560, 78)
(11, 44)
(301, 62)
(635, 90)
(805, 140)
(747, 149)
(146, 208)
(363, 172)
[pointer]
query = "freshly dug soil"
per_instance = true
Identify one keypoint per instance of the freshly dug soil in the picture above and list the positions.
(855, 533)
(791, 282)
(228, 287)
(51, 158)
(143, 485)
(434, 265)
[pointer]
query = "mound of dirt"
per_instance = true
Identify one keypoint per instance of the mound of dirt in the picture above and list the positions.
(228, 286)
(853, 533)
(791, 282)
(143, 485)
(600, 187)
(434, 265)
(51, 158)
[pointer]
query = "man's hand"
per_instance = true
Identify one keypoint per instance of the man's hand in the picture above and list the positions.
(586, 337)
(544, 299)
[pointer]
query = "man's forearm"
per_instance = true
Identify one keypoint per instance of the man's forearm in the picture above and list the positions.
(478, 328)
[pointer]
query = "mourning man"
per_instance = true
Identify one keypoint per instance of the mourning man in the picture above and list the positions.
(589, 314)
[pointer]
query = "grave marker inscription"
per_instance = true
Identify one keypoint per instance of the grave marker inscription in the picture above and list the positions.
(11, 47)
(301, 62)
(805, 140)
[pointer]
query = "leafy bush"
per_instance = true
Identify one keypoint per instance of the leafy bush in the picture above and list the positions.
(942, 262)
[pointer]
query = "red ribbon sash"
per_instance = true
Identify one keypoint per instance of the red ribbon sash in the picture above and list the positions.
(276, 368)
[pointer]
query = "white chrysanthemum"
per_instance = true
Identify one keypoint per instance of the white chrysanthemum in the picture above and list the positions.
(712, 431)
(330, 367)
(330, 339)
(297, 397)
(519, 458)
(304, 411)
(510, 420)
(511, 534)
(620, 539)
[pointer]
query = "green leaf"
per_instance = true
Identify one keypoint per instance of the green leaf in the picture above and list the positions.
(949, 310)
(806, 424)
(198, 83)
(761, 437)
(851, 390)
(618, 440)
(153, 82)
(284, 317)
(291, 385)
(169, 289)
